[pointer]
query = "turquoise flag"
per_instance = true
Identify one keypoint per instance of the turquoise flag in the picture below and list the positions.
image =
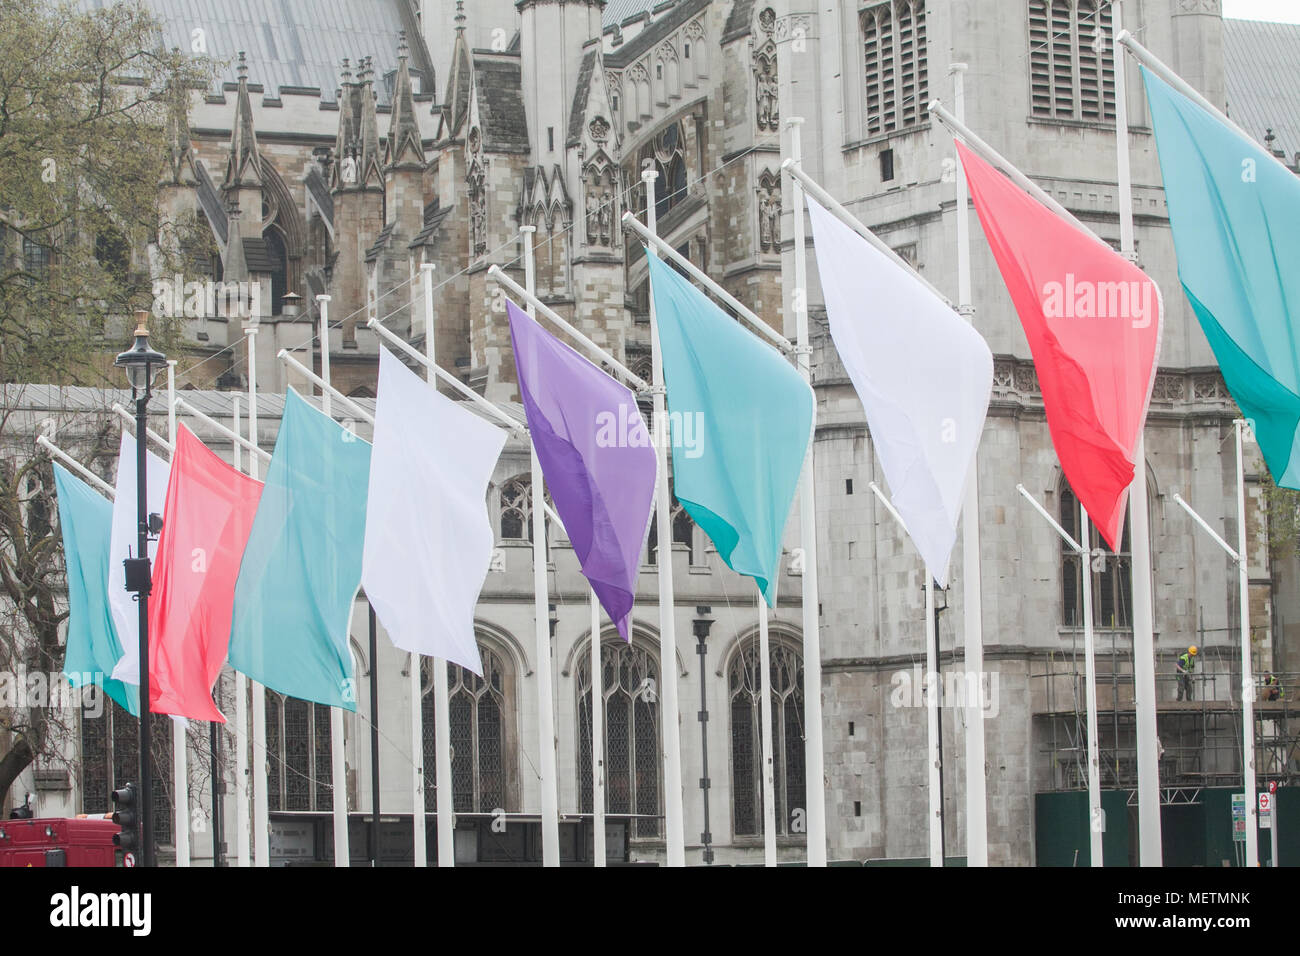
(741, 418)
(86, 522)
(1235, 213)
(302, 566)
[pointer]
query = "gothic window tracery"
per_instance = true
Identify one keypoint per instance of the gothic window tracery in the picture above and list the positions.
(629, 695)
(744, 686)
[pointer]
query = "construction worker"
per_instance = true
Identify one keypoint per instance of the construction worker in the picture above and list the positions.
(1272, 687)
(1185, 664)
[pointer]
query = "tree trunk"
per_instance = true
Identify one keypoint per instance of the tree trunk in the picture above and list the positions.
(18, 759)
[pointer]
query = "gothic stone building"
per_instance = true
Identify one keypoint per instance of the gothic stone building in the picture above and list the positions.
(344, 148)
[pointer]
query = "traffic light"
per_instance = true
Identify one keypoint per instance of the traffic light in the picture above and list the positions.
(126, 815)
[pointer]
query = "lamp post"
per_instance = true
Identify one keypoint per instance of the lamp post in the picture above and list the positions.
(703, 624)
(142, 363)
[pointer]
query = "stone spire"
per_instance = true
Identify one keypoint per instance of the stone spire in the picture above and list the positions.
(244, 165)
(404, 148)
(456, 98)
(343, 170)
(235, 267)
(370, 173)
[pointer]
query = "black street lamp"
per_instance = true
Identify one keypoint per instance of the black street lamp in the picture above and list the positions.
(142, 363)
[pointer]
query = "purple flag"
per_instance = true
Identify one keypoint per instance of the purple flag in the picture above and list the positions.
(596, 455)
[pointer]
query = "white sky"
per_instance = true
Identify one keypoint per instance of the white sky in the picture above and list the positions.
(1280, 11)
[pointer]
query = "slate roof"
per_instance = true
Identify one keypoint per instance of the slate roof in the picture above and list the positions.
(291, 43)
(1261, 63)
(501, 103)
(380, 241)
(653, 34)
(620, 11)
(433, 219)
(257, 257)
(578, 114)
(739, 21)
(320, 194)
(210, 200)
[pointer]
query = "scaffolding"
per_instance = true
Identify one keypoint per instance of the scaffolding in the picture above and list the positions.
(1199, 739)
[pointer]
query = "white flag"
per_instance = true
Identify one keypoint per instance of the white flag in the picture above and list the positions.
(123, 544)
(428, 537)
(924, 376)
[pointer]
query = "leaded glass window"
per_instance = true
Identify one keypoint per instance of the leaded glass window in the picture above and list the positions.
(744, 686)
(298, 749)
(483, 740)
(1112, 573)
(630, 682)
(110, 757)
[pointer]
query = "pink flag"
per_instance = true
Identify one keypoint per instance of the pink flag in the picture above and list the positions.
(208, 516)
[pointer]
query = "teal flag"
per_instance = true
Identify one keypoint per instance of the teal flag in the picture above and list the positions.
(1235, 213)
(741, 420)
(92, 648)
(302, 565)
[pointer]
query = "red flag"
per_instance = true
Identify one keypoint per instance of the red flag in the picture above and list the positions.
(207, 519)
(1093, 322)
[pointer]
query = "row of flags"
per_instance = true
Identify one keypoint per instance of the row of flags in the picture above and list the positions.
(264, 575)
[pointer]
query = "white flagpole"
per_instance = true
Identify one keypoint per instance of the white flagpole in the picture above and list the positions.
(445, 807)
(242, 826)
(1150, 851)
(545, 692)
(597, 739)
(930, 683)
(675, 840)
(815, 771)
(261, 796)
(109, 491)
(1080, 547)
(180, 758)
(1247, 675)
(338, 766)
(765, 733)
(1096, 818)
(977, 830)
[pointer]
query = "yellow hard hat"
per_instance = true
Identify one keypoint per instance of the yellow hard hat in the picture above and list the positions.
(1192, 650)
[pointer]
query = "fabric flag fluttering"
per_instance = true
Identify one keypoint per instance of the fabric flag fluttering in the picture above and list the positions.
(924, 376)
(301, 569)
(91, 648)
(742, 422)
(595, 452)
(1093, 321)
(209, 513)
(126, 612)
(1235, 215)
(428, 538)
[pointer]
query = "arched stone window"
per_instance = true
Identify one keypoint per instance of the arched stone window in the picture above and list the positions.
(1071, 73)
(298, 754)
(743, 688)
(630, 697)
(484, 741)
(110, 757)
(895, 65)
(683, 533)
(1112, 573)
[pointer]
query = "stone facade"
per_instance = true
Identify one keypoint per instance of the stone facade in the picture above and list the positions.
(541, 115)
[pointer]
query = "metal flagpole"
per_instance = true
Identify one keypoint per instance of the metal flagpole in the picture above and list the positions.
(815, 772)
(545, 693)
(243, 831)
(443, 795)
(1241, 558)
(1150, 851)
(765, 735)
(180, 758)
(673, 823)
(261, 796)
(597, 739)
(338, 766)
(1247, 676)
(930, 684)
(1096, 819)
(977, 830)
(77, 466)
